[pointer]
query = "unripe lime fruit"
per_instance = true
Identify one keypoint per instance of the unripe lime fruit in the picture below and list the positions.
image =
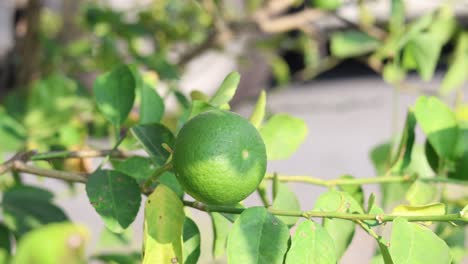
(219, 157)
(327, 4)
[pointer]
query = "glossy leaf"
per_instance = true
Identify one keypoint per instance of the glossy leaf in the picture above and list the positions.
(221, 228)
(115, 93)
(311, 244)
(152, 105)
(342, 231)
(137, 167)
(256, 118)
(28, 207)
(192, 240)
(163, 227)
(116, 198)
(257, 237)
(286, 199)
(413, 243)
(226, 90)
(53, 243)
(439, 124)
(283, 134)
(151, 137)
(346, 44)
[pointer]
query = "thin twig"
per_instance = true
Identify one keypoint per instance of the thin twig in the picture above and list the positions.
(56, 174)
(320, 214)
(77, 154)
(361, 181)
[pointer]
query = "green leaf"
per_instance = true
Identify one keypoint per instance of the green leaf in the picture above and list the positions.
(280, 70)
(412, 243)
(152, 136)
(373, 208)
(444, 24)
(28, 207)
(439, 123)
(221, 228)
(116, 198)
(163, 227)
(352, 43)
(283, 134)
(405, 148)
(109, 239)
(397, 16)
(421, 193)
(393, 73)
(428, 209)
(355, 190)
(311, 244)
(257, 237)
(12, 133)
(119, 258)
(191, 236)
(5, 244)
(256, 118)
(53, 243)
(137, 167)
(342, 231)
(425, 48)
(170, 180)
(285, 199)
(199, 95)
(226, 90)
(380, 157)
(455, 76)
(199, 107)
(152, 105)
(115, 93)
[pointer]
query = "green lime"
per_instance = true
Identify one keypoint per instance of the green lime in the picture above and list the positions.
(219, 157)
(327, 4)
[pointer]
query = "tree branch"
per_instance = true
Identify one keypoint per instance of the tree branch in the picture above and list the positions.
(77, 154)
(361, 181)
(381, 218)
(62, 175)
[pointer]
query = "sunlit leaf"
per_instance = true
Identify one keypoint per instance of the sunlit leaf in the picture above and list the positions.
(413, 243)
(283, 134)
(285, 199)
(226, 90)
(163, 227)
(257, 237)
(256, 118)
(311, 244)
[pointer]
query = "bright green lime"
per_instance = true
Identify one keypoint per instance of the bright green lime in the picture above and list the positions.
(219, 157)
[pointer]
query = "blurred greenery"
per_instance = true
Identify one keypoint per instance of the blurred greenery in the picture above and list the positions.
(141, 54)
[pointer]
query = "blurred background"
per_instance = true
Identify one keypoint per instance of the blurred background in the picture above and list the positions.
(349, 68)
